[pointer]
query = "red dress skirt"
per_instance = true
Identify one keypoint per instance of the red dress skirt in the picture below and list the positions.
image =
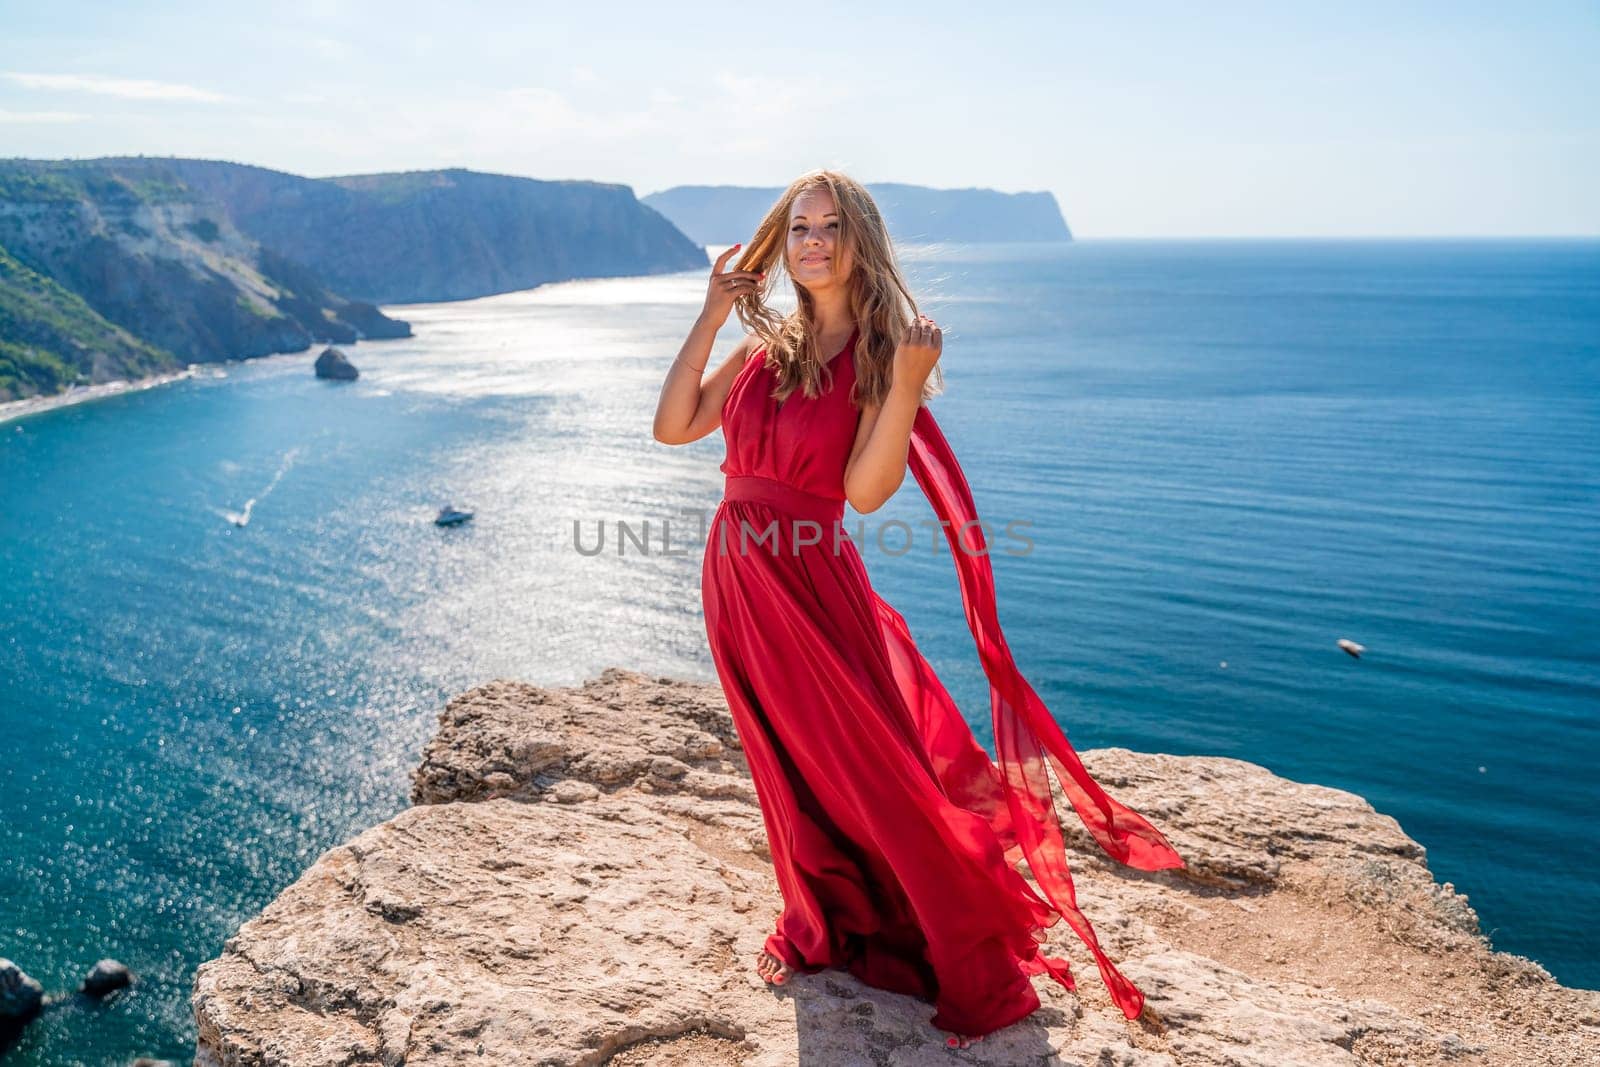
(894, 836)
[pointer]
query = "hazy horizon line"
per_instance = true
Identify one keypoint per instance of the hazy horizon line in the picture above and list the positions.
(1076, 236)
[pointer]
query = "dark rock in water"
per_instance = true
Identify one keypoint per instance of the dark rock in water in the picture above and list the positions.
(335, 364)
(105, 977)
(21, 996)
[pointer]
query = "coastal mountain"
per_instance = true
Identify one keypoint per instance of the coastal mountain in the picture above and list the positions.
(915, 214)
(123, 267)
(444, 234)
(111, 272)
(584, 877)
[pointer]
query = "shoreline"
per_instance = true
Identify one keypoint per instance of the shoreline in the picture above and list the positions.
(31, 405)
(16, 409)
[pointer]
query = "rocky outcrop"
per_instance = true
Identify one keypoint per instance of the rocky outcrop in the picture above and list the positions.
(584, 879)
(23, 999)
(334, 364)
(723, 214)
(21, 996)
(105, 977)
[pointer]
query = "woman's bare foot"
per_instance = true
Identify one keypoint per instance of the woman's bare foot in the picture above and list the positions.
(958, 1041)
(772, 969)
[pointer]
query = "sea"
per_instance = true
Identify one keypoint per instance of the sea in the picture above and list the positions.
(228, 620)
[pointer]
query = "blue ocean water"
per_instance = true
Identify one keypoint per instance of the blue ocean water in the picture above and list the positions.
(1226, 453)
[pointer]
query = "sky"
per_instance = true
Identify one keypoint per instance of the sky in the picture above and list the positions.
(1168, 120)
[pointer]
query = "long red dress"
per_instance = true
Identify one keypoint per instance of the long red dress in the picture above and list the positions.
(894, 836)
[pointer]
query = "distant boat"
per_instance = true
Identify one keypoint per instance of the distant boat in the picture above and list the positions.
(1351, 647)
(451, 516)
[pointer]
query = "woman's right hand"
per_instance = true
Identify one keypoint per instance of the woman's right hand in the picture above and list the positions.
(920, 348)
(727, 286)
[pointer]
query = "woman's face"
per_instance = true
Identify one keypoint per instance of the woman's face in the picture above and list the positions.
(815, 256)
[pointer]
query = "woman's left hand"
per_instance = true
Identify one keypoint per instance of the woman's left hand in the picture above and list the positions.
(919, 350)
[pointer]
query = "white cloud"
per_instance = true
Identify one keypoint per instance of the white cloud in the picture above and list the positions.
(126, 88)
(41, 116)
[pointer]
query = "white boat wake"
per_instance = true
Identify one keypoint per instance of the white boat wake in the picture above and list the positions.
(242, 518)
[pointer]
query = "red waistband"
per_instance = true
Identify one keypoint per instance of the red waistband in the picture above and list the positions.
(783, 496)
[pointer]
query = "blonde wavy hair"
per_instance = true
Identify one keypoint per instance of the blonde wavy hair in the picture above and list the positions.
(880, 304)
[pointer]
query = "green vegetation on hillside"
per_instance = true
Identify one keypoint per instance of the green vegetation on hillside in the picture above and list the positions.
(19, 185)
(205, 229)
(57, 181)
(399, 187)
(32, 372)
(49, 337)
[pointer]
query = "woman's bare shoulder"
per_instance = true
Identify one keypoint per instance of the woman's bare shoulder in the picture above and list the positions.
(748, 346)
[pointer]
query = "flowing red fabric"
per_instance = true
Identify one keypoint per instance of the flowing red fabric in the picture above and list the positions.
(895, 837)
(1024, 730)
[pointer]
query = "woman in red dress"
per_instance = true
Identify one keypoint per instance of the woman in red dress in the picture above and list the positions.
(894, 836)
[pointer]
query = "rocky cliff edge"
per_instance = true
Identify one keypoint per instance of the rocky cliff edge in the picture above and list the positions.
(584, 879)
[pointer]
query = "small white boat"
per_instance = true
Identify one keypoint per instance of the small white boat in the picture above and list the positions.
(451, 516)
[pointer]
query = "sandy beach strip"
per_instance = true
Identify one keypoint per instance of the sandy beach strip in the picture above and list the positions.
(14, 409)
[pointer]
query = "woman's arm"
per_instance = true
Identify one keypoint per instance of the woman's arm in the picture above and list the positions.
(877, 463)
(691, 405)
